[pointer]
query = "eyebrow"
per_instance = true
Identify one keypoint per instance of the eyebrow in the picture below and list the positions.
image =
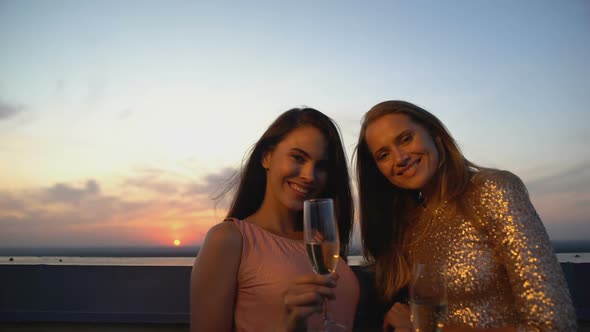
(303, 152)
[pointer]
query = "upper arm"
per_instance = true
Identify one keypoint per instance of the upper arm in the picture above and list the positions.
(214, 279)
(520, 239)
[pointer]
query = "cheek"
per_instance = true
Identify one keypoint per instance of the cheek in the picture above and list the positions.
(435, 156)
(288, 168)
(383, 168)
(279, 172)
(429, 145)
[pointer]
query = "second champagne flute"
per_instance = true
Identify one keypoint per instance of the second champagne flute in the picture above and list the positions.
(428, 298)
(320, 233)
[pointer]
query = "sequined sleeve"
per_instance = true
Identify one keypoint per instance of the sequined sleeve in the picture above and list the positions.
(523, 246)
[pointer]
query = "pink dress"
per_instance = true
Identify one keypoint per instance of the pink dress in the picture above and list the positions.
(269, 263)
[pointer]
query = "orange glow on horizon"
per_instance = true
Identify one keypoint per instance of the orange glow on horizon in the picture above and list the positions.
(176, 242)
(160, 224)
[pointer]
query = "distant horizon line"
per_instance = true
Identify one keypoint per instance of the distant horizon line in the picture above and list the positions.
(194, 245)
(559, 246)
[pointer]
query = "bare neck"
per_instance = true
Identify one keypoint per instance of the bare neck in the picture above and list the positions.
(431, 194)
(276, 219)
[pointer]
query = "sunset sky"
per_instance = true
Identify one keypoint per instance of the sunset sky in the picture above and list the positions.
(120, 120)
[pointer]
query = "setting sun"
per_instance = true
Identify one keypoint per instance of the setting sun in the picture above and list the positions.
(176, 242)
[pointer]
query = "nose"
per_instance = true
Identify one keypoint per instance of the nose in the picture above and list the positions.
(308, 172)
(401, 157)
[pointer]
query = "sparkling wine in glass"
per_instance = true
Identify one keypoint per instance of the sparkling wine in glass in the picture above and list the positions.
(320, 233)
(428, 298)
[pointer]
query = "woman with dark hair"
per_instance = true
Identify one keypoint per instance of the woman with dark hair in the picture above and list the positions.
(252, 272)
(422, 201)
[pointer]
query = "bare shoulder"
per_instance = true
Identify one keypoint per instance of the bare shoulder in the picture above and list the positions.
(222, 239)
(225, 232)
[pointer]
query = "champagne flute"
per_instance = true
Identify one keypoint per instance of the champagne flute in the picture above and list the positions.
(320, 233)
(428, 298)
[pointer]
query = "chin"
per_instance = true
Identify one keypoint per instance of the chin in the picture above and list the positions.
(295, 205)
(414, 185)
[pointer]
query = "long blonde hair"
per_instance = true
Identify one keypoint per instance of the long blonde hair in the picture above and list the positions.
(386, 210)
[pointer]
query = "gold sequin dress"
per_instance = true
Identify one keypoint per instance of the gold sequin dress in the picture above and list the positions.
(500, 266)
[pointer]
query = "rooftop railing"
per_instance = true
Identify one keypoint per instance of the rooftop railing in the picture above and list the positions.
(144, 295)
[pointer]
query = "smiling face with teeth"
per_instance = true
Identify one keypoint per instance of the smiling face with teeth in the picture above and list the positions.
(296, 168)
(404, 151)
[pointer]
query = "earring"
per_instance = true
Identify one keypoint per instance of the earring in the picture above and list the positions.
(422, 199)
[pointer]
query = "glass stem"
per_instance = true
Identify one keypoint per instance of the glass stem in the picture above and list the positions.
(326, 317)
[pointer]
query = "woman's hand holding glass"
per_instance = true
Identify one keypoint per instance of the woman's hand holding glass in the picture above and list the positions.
(397, 318)
(304, 297)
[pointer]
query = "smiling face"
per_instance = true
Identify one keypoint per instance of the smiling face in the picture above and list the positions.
(404, 152)
(296, 168)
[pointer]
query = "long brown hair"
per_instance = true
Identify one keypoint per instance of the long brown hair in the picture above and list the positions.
(386, 210)
(251, 179)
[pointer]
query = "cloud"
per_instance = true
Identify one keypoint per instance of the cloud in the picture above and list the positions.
(153, 206)
(583, 203)
(61, 192)
(9, 201)
(83, 214)
(572, 179)
(154, 181)
(97, 88)
(125, 114)
(562, 201)
(214, 183)
(8, 111)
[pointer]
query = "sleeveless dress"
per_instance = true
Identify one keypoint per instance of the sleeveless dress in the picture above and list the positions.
(268, 265)
(499, 262)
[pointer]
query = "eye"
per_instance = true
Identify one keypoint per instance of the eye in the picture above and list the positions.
(382, 156)
(298, 158)
(406, 138)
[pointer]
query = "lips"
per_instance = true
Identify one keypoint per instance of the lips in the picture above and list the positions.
(302, 190)
(408, 167)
